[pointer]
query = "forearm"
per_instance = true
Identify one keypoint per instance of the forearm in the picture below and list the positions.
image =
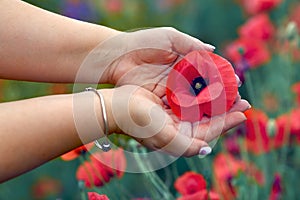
(38, 45)
(37, 130)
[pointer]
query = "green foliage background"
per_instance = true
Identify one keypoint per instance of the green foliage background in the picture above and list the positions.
(212, 21)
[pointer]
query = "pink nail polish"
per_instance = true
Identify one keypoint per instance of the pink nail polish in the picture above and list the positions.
(205, 151)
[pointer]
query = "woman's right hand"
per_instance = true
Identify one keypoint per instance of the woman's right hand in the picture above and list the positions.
(143, 116)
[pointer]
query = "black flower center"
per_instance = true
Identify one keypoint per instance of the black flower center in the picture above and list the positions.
(197, 85)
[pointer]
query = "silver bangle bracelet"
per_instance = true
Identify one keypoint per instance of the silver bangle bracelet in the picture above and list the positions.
(105, 146)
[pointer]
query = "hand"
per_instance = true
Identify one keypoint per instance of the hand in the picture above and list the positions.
(142, 58)
(143, 116)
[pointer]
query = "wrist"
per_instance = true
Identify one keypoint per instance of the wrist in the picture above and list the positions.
(88, 114)
(98, 66)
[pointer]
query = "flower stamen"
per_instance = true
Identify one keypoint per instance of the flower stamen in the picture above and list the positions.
(198, 84)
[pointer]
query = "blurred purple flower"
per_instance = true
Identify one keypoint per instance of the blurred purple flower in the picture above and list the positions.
(241, 68)
(78, 9)
(276, 188)
(232, 145)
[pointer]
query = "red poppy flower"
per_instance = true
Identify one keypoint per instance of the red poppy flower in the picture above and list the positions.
(257, 140)
(45, 187)
(96, 196)
(203, 195)
(113, 161)
(295, 123)
(92, 174)
(257, 6)
(193, 187)
(250, 52)
(258, 27)
(288, 127)
(71, 155)
(283, 127)
(190, 183)
(202, 83)
(253, 172)
(296, 90)
(225, 167)
(143, 198)
(276, 188)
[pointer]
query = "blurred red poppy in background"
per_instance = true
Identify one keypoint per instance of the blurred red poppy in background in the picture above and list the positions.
(257, 6)
(257, 139)
(225, 167)
(189, 183)
(46, 187)
(283, 127)
(96, 196)
(114, 161)
(71, 155)
(287, 129)
(258, 27)
(102, 167)
(296, 90)
(192, 186)
(202, 83)
(295, 124)
(203, 195)
(92, 175)
(250, 52)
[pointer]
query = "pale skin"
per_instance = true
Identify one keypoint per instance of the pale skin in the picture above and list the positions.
(51, 48)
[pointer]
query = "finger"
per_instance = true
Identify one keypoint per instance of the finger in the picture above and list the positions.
(233, 119)
(177, 141)
(183, 145)
(238, 97)
(165, 100)
(238, 81)
(217, 125)
(184, 43)
(210, 130)
(241, 105)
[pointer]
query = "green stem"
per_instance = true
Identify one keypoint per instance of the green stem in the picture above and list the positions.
(174, 170)
(124, 194)
(160, 187)
(249, 87)
(83, 195)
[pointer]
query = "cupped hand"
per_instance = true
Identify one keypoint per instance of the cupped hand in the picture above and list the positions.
(152, 54)
(142, 58)
(142, 115)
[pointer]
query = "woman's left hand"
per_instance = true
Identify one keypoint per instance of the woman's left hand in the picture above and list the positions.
(142, 58)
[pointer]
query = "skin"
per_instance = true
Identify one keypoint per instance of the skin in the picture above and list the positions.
(34, 131)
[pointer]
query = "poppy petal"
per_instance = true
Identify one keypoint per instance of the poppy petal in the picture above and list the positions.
(201, 83)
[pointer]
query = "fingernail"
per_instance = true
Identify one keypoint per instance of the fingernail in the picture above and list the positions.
(239, 82)
(205, 151)
(248, 106)
(210, 46)
(244, 118)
